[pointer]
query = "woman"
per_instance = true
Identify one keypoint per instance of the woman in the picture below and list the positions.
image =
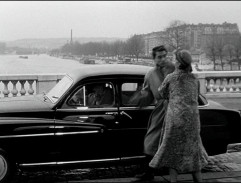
(180, 147)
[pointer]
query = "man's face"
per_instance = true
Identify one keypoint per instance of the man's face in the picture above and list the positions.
(161, 56)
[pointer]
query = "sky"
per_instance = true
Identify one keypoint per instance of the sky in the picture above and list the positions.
(55, 19)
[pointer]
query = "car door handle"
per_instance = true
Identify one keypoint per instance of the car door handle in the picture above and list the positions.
(124, 113)
(111, 113)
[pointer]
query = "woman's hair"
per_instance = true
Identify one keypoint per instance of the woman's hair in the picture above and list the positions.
(158, 49)
(185, 60)
(187, 68)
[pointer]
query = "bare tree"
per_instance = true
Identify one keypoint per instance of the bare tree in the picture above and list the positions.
(212, 51)
(237, 50)
(2, 47)
(229, 52)
(136, 45)
(220, 43)
(215, 49)
(117, 48)
(175, 35)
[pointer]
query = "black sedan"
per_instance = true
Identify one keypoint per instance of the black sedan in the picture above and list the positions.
(71, 125)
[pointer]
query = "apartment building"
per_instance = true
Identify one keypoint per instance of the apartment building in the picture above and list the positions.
(197, 36)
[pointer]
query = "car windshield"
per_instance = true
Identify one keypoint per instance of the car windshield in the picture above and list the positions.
(60, 88)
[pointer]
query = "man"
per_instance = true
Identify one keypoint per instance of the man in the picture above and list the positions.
(149, 92)
(100, 96)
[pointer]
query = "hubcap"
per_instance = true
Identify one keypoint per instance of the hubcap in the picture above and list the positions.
(3, 167)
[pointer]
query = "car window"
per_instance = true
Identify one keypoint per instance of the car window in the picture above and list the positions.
(202, 101)
(93, 95)
(60, 88)
(129, 91)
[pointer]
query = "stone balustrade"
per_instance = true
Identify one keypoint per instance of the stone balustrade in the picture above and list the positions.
(220, 83)
(212, 83)
(27, 84)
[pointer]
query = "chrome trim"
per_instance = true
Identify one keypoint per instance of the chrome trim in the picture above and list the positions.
(203, 105)
(132, 157)
(30, 135)
(109, 108)
(136, 107)
(111, 113)
(152, 107)
(3, 167)
(88, 161)
(68, 162)
(124, 113)
(38, 164)
(74, 133)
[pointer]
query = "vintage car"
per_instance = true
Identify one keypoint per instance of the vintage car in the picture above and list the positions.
(63, 128)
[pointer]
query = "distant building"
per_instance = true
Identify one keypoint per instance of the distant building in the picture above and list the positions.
(153, 39)
(197, 36)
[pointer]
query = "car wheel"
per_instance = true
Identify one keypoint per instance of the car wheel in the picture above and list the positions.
(6, 168)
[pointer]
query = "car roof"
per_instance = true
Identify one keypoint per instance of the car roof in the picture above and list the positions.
(107, 69)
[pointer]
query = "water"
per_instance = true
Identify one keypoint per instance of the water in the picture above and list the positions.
(36, 64)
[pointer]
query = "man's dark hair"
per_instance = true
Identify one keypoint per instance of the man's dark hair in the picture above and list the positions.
(158, 49)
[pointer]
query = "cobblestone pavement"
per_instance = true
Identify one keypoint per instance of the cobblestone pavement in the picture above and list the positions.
(64, 176)
(226, 162)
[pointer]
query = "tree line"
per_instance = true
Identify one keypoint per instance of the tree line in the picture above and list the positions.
(223, 50)
(134, 47)
(2, 47)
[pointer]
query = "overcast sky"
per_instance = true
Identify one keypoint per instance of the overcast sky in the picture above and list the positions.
(55, 19)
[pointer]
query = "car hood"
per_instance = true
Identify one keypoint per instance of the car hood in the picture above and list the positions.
(215, 105)
(24, 103)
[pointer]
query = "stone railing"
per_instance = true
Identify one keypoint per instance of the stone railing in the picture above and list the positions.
(27, 84)
(212, 83)
(220, 83)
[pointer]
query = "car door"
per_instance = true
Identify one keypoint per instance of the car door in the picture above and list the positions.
(219, 127)
(31, 139)
(132, 120)
(215, 131)
(82, 130)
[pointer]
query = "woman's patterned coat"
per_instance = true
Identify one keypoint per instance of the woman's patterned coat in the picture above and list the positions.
(180, 146)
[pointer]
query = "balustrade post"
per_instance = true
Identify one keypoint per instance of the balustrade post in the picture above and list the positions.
(235, 87)
(22, 91)
(14, 90)
(6, 90)
(228, 86)
(221, 87)
(239, 84)
(215, 86)
(30, 90)
(208, 85)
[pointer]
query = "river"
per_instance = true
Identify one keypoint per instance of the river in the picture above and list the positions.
(36, 64)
